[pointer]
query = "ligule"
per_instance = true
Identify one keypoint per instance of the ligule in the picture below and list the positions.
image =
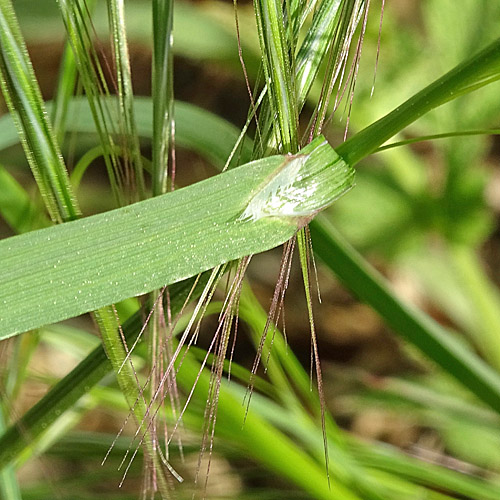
(302, 185)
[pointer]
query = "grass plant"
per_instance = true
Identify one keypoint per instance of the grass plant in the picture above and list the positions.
(162, 258)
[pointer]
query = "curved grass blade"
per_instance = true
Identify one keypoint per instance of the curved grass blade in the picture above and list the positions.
(443, 135)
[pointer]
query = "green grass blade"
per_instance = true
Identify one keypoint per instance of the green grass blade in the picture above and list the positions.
(339, 43)
(9, 486)
(125, 92)
(315, 46)
(64, 92)
(278, 61)
(481, 69)
(84, 163)
(162, 93)
(25, 102)
(412, 325)
(76, 18)
(444, 135)
(485, 299)
(100, 260)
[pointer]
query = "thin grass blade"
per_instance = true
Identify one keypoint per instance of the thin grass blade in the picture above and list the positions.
(278, 63)
(125, 92)
(25, 103)
(162, 94)
(481, 69)
(64, 92)
(315, 46)
(76, 17)
(9, 485)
